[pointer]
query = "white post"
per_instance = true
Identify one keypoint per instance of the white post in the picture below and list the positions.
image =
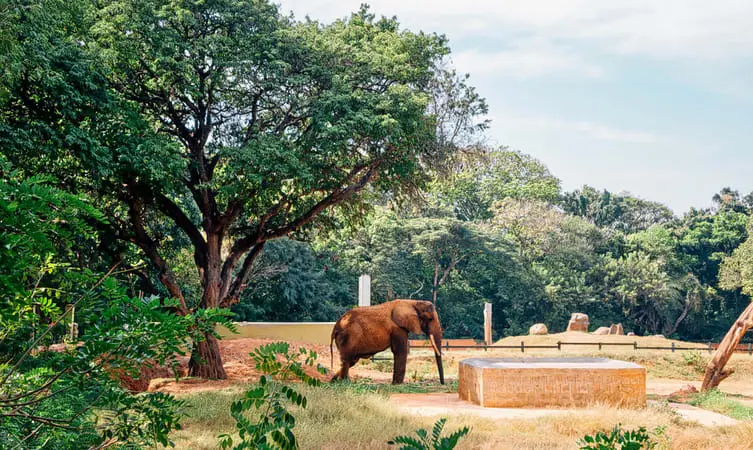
(488, 323)
(364, 290)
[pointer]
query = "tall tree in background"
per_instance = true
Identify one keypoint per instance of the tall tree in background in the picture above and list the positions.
(443, 244)
(479, 179)
(618, 212)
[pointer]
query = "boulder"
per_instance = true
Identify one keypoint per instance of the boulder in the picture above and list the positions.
(578, 322)
(538, 328)
(631, 334)
(616, 329)
(602, 331)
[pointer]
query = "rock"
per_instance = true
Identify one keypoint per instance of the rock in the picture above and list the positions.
(631, 334)
(601, 331)
(659, 336)
(616, 329)
(578, 322)
(684, 394)
(538, 328)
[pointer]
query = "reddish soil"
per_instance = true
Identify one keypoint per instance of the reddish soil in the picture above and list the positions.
(241, 370)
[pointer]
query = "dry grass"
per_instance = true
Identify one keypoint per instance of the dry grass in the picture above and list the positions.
(360, 416)
(345, 418)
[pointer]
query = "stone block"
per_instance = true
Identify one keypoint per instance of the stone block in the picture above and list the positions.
(602, 331)
(551, 382)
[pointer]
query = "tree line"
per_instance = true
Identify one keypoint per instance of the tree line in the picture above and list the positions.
(498, 228)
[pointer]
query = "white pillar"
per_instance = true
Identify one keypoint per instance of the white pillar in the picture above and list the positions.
(364, 290)
(488, 323)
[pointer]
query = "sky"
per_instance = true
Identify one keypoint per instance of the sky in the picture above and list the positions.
(650, 97)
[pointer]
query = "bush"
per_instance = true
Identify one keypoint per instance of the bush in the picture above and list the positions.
(271, 424)
(433, 442)
(617, 440)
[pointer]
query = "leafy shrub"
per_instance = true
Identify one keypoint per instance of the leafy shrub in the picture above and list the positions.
(67, 399)
(618, 440)
(696, 360)
(262, 418)
(433, 442)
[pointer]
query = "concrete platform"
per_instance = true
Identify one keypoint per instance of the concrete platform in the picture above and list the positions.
(551, 382)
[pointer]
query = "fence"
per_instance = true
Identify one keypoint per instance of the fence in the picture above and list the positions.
(710, 347)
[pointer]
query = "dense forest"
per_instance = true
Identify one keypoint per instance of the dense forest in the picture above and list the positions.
(167, 166)
(497, 228)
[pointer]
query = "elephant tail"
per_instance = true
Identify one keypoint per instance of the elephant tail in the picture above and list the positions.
(331, 353)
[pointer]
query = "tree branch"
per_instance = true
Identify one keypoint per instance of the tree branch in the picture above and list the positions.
(169, 208)
(232, 292)
(142, 239)
(332, 199)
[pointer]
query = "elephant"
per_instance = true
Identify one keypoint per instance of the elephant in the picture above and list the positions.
(362, 332)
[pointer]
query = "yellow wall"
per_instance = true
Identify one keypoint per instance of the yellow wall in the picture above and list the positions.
(311, 332)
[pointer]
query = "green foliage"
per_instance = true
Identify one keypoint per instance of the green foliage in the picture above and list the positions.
(68, 398)
(293, 280)
(618, 439)
(736, 271)
(435, 441)
(262, 417)
(479, 180)
(695, 360)
(206, 129)
(616, 212)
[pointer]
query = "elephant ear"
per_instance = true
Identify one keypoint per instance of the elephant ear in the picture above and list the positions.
(405, 315)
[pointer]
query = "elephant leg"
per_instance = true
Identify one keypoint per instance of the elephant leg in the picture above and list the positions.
(399, 347)
(342, 374)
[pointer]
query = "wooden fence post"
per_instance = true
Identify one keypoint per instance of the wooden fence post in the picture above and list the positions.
(488, 323)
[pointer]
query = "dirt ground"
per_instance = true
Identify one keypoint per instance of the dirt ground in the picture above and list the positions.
(240, 369)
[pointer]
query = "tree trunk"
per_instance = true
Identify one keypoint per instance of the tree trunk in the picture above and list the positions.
(669, 332)
(206, 360)
(435, 286)
(715, 372)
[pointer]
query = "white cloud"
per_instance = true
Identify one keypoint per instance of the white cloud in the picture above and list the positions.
(525, 61)
(695, 29)
(590, 129)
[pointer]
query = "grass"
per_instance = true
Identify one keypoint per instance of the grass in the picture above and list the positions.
(360, 416)
(717, 401)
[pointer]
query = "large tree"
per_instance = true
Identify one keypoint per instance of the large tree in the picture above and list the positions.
(267, 123)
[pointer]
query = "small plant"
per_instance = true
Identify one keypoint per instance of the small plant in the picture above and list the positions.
(617, 440)
(433, 442)
(270, 424)
(695, 360)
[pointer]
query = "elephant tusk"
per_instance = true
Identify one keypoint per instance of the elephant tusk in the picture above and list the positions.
(434, 345)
